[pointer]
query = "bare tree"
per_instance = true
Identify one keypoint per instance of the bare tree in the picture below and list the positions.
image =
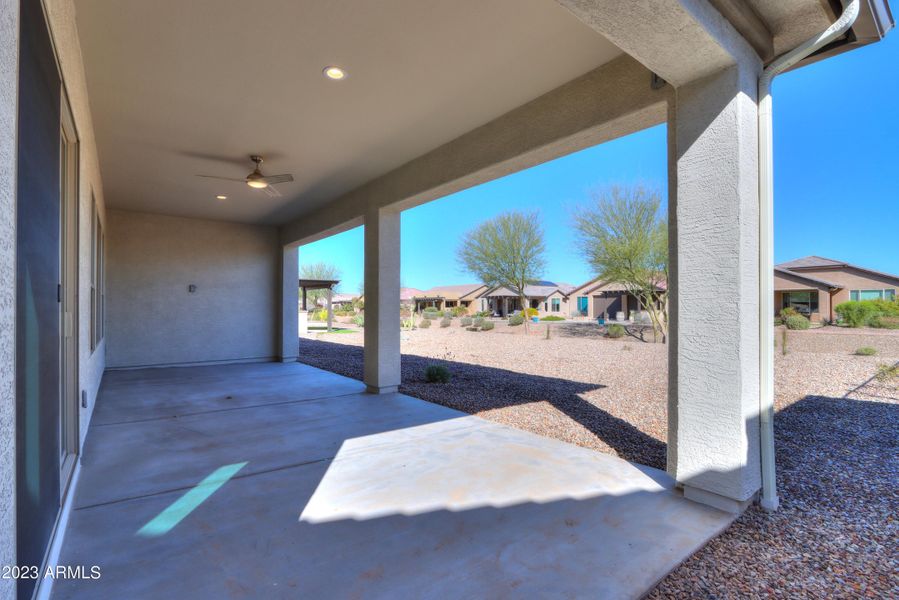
(506, 251)
(625, 240)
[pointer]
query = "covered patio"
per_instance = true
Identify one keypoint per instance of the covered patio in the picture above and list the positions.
(282, 480)
(158, 180)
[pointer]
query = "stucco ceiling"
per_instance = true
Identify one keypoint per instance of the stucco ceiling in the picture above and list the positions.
(174, 84)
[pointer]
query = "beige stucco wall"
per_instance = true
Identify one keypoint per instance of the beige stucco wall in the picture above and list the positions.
(61, 16)
(565, 305)
(852, 279)
(785, 283)
(152, 317)
(9, 51)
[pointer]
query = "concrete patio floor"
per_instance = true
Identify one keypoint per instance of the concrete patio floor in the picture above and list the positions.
(285, 481)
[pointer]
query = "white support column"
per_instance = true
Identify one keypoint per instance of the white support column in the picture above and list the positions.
(288, 348)
(382, 301)
(714, 411)
(330, 310)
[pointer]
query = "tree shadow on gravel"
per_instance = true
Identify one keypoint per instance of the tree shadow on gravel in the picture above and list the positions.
(475, 388)
(592, 331)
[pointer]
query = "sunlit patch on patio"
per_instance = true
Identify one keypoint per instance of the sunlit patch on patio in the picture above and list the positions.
(294, 491)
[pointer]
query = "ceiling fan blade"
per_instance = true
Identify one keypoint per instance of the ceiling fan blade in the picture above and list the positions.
(278, 178)
(271, 191)
(222, 178)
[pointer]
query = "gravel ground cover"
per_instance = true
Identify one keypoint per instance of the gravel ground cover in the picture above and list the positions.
(836, 532)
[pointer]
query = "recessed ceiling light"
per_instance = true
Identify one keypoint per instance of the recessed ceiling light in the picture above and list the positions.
(335, 73)
(220, 197)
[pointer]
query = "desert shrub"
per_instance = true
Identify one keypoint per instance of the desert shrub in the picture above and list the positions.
(487, 325)
(482, 313)
(445, 322)
(886, 308)
(437, 374)
(425, 323)
(552, 318)
(516, 319)
(789, 312)
(479, 322)
(466, 321)
(359, 320)
(796, 322)
(885, 322)
(866, 351)
(460, 311)
(531, 312)
(433, 315)
(887, 372)
(615, 331)
(858, 313)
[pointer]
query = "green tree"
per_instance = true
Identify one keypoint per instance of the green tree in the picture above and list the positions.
(319, 270)
(625, 240)
(507, 251)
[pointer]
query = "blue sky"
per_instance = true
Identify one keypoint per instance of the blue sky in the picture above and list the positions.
(836, 153)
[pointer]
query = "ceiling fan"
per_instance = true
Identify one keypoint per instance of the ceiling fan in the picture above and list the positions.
(257, 180)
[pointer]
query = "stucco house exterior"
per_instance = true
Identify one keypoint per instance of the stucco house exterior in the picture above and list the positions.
(597, 298)
(161, 162)
(814, 285)
(448, 297)
(544, 296)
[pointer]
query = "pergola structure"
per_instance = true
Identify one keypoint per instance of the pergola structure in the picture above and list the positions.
(319, 284)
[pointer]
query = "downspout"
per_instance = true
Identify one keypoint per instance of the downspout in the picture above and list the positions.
(769, 500)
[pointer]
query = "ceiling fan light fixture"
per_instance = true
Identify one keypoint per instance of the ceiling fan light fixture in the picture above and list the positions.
(335, 73)
(257, 183)
(221, 197)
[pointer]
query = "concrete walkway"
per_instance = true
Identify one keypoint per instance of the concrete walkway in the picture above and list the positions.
(285, 481)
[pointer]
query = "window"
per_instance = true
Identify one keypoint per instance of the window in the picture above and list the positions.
(885, 294)
(555, 304)
(804, 302)
(582, 305)
(98, 278)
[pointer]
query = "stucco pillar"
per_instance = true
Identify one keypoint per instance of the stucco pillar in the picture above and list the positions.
(714, 404)
(330, 309)
(288, 349)
(9, 92)
(382, 301)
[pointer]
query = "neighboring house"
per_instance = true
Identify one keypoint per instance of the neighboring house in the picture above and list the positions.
(815, 285)
(338, 301)
(545, 296)
(598, 298)
(407, 295)
(451, 296)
